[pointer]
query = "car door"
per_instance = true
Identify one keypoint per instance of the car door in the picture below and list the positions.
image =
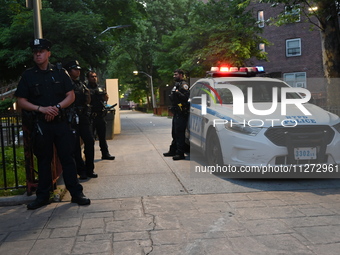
(196, 119)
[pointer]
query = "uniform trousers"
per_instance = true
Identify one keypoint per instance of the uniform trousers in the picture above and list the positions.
(99, 127)
(59, 134)
(84, 131)
(179, 125)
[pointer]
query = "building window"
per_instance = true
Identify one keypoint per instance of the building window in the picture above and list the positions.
(260, 18)
(297, 80)
(262, 47)
(293, 47)
(292, 13)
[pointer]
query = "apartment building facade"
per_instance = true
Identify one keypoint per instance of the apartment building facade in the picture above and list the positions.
(295, 51)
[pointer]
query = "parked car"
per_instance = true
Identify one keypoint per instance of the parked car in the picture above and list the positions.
(239, 119)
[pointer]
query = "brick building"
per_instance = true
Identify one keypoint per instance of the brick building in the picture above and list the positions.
(295, 53)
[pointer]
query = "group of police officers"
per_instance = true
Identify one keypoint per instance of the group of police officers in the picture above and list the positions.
(61, 111)
(64, 109)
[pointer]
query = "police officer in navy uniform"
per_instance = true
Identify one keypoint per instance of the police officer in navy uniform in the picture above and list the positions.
(180, 108)
(82, 123)
(98, 108)
(47, 91)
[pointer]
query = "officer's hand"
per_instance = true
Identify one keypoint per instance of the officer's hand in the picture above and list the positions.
(50, 110)
(49, 118)
(106, 97)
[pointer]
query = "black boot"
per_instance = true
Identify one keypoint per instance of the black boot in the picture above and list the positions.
(81, 200)
(108, 157)
(92, 175)
(37, 203)
(169, 154)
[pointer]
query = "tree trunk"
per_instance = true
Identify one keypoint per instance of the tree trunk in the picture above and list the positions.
(330, 33)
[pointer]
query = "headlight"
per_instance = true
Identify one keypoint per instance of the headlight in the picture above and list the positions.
(243, 128)
(337, 127)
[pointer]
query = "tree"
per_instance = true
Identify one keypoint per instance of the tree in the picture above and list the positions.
(217, 32)
(164, 35)
(136, 48)
(326, 13)
(71, 31)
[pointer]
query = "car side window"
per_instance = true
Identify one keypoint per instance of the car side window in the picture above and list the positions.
(198, 89)
(194, 90)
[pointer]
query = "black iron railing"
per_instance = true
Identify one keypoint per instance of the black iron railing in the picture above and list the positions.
(12, 169)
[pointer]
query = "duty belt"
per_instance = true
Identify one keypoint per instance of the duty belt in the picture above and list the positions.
(59, 118)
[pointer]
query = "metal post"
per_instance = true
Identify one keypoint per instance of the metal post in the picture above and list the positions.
(37, 19)
(151, 83)
(152, 94)
(36, 6)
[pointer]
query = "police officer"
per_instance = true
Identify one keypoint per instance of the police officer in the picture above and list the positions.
(82, 123)
(47, 91)
(180, 108)
(98, 99)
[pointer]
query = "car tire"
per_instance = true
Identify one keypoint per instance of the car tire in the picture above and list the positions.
(213, 150)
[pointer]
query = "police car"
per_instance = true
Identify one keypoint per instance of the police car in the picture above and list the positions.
(239, 119)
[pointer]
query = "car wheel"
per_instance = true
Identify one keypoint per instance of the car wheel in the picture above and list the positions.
(213, 150)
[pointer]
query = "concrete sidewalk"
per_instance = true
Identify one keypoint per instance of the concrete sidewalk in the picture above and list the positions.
(143, 203)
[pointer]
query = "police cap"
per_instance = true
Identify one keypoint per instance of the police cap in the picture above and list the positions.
(74, 64)
(39, 44)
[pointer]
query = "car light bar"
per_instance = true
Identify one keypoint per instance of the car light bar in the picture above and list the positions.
(224, 71)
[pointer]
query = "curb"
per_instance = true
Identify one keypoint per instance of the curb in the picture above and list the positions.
(58, 194)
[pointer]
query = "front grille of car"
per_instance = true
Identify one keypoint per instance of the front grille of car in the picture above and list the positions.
(277, 135)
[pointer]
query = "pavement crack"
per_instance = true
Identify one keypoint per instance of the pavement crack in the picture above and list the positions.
(153, 228)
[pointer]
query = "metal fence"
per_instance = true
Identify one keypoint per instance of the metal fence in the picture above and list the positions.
(18, 165)
(11, 139)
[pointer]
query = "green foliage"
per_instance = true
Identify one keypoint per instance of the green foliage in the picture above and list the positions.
(219, 32)
(5, 104)
(9, 162)
(163, 35)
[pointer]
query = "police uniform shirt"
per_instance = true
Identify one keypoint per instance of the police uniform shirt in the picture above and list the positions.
(81, 92)
(44, 87)
(182, 95)
(97, 99)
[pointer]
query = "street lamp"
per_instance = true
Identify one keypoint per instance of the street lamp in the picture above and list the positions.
(152, 94)
(118, 27)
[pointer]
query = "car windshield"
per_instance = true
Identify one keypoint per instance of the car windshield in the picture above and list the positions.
(262, 91)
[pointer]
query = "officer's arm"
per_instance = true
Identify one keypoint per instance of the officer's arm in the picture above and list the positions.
(68, 100)
(106, 97)
(49, 111)
(26, 105)
(183, 95)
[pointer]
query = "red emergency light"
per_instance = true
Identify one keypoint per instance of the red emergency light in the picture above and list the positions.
(224, 71)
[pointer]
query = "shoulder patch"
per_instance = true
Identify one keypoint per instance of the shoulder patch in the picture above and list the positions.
(185, 86)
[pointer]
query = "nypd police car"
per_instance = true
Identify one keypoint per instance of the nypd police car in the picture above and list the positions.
(239, 119)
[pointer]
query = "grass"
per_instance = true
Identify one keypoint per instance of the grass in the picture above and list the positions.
(9, 162)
